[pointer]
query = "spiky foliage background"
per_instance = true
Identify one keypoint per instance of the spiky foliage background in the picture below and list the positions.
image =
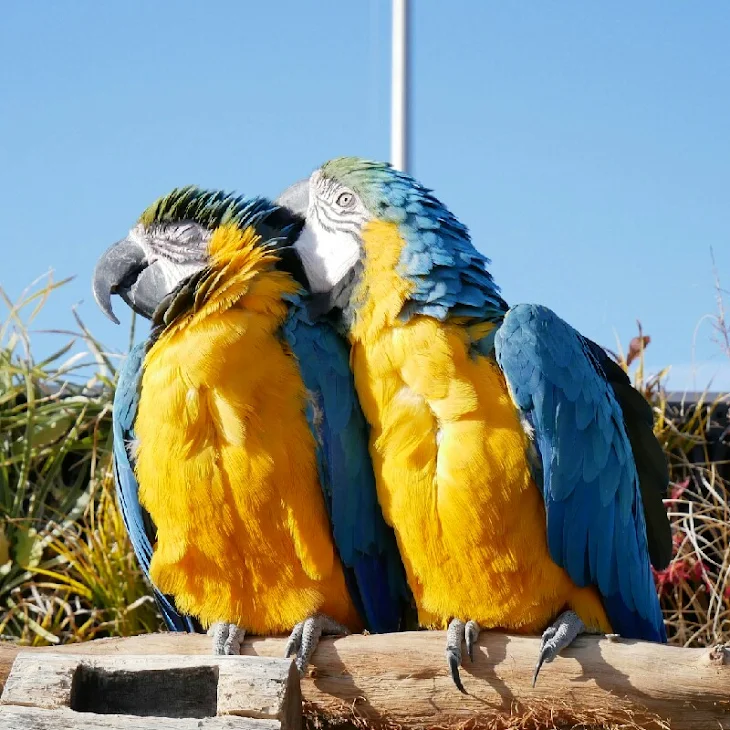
(67, 572)
(695, 589)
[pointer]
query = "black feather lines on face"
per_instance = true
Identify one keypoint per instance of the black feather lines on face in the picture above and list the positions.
(277, 228)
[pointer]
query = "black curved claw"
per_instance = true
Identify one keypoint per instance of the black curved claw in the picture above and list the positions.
(295, 640)
(543, 655)
(557, 637)
(471, 634)
(453, 660)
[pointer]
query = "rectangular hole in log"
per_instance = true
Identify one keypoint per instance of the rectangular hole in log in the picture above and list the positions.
(175, 692)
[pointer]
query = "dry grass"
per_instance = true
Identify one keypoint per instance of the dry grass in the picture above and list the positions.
(560, 716)
(695, 589)
(67, 572)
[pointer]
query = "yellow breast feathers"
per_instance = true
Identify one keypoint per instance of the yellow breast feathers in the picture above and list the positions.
(226, 460)
(450, 463)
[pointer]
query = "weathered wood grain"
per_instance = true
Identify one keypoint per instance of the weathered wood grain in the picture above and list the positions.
(32, 718)
(402, 678)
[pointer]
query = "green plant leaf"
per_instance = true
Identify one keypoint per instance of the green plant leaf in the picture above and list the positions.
(28, 547)
(4, 546)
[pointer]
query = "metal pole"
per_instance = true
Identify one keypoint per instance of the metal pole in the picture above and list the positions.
(399, 152)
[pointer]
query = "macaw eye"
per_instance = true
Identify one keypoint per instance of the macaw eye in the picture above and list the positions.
(345, 200)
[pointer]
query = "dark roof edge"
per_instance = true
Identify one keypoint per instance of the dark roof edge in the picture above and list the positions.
(694, 396)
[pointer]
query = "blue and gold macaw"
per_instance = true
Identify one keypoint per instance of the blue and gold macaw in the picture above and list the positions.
(513, 458)
(241, 454)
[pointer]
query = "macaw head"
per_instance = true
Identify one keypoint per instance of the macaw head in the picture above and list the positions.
(188, 233)
(366, 220)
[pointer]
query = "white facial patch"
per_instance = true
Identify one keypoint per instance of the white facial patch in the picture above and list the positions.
(175, 273)
(178, 241)
(327, 256)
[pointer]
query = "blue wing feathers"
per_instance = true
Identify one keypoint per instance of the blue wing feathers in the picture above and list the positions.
(137, 522)
(595, 518)
(448, 273)
(366, 545)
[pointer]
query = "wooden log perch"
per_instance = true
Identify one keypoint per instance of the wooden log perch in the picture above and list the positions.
(401, 679)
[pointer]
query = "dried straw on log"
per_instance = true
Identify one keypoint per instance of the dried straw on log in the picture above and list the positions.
(401, 679)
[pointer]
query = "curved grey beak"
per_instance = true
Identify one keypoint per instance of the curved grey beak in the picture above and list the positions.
(296, 197)
(124, 269)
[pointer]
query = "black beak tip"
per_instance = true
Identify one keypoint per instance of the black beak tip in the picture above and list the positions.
(102, 296)
(114, 271)
(111, 316)
(109, 313)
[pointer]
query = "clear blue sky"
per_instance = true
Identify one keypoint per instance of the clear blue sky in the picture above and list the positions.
(586, 145)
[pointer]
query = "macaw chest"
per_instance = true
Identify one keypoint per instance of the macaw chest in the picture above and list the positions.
(453, 480)
(227, 470)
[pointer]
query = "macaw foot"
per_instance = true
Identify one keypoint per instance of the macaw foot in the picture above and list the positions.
(556, 637)
(305, 635)
(457, 632)
(227, 638)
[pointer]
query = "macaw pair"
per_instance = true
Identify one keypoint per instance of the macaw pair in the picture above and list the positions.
(512, 473)
(240, 449)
